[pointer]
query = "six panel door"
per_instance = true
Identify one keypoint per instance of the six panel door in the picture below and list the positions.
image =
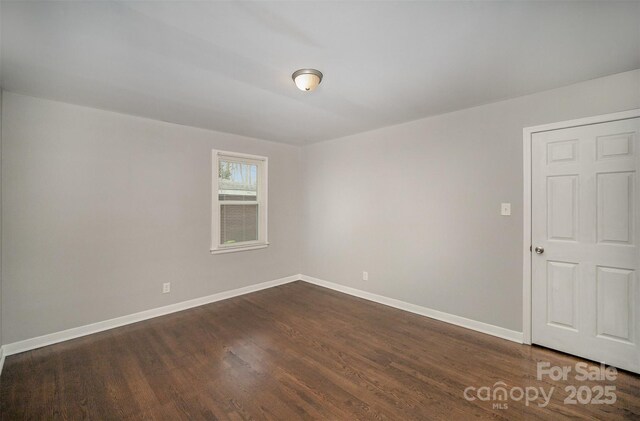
(586, 226)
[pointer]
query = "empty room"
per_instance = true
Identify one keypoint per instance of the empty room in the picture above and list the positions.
(319, 210)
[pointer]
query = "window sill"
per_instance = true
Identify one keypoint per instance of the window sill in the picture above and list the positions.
(223, 250)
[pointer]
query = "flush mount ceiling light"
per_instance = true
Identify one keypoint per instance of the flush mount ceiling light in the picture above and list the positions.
(307, 79)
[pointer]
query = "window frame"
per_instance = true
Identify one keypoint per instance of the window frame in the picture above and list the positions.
(262, 172)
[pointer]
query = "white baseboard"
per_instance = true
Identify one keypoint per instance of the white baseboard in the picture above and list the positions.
(65, 335)
(76, 332)
(2, 355)
(500, 332)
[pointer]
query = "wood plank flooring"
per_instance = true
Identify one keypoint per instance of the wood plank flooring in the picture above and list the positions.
(297, 351)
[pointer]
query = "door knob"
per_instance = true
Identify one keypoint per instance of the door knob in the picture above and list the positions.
(539, 250)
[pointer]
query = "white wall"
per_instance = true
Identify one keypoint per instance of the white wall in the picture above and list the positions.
(100, 208)
(417, 205)
(1, 217)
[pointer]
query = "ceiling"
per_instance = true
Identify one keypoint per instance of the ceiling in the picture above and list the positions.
(227, 65)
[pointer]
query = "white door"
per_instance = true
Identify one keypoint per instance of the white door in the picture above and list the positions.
(585, 233)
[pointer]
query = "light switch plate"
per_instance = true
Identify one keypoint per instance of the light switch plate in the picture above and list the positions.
(505, 209)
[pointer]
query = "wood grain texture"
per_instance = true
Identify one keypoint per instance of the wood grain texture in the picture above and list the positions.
(297, 351)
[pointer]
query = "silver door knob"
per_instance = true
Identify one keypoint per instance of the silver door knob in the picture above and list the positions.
(539, 250)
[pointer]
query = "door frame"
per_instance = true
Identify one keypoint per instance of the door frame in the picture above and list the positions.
(527, 136)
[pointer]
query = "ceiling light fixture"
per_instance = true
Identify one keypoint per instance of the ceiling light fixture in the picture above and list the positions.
(307, 79)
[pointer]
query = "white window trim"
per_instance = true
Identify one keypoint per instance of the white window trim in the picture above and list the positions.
(263, 172)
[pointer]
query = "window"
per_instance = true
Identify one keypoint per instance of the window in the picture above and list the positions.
(239, 210)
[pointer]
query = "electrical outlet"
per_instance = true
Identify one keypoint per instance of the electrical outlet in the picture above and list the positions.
(166, 287)
(365, 276)
(505, 209)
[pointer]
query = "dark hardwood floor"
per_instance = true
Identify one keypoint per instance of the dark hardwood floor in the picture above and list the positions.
(297, 351)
